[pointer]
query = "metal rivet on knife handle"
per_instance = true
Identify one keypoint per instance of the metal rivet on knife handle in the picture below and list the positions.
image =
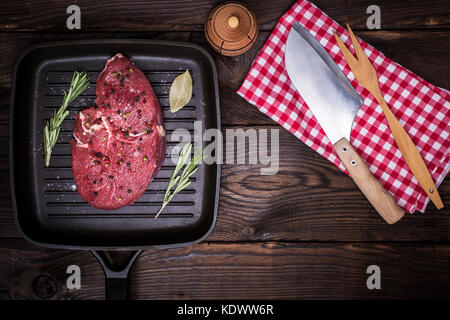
(334, 103)
(378, 197)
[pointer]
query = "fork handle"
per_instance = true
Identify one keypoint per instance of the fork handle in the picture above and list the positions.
(380, 199)
(411, 155)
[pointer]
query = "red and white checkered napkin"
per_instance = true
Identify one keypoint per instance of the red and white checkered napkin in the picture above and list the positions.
(422, 109)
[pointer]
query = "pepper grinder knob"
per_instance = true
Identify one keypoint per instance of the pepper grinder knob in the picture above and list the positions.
(233, 22)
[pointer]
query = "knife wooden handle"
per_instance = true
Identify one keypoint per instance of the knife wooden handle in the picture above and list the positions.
(380, 199)
(411, 155)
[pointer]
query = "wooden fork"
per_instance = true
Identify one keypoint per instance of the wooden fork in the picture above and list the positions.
(367, 76)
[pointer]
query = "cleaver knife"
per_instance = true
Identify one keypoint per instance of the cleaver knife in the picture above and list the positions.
(334, 103)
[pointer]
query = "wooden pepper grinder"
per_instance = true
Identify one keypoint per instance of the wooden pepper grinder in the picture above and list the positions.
(231, 28)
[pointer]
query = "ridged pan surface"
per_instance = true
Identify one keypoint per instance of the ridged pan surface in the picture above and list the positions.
(47, 207)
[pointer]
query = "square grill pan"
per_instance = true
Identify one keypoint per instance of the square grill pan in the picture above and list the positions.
(48, 210)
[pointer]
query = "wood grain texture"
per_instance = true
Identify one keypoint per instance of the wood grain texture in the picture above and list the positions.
(291, 271)
(29, 272)
(236, 270)
(120, 15)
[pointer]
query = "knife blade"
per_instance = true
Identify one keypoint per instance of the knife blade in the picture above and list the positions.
(334, 103)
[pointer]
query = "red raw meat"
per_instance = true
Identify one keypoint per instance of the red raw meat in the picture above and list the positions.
(119, 145)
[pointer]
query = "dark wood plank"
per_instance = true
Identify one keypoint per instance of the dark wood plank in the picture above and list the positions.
(190, 15)
(29, 272)
(423, 52)
(270, 208)
(238, 270)
(292, 271)
(309, 199)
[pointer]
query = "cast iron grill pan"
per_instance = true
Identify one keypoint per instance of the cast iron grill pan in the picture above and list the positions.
(47, 207)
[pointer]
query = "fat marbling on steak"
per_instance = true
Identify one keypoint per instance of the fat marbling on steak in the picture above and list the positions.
(119, 144)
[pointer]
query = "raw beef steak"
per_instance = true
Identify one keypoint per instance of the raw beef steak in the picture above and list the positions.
(119, 144)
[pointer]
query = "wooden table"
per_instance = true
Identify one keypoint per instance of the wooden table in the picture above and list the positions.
(306, 232)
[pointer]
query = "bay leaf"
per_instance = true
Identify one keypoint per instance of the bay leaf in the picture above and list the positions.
(180, 91)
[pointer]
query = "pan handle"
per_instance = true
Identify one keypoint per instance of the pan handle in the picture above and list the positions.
(116, 282)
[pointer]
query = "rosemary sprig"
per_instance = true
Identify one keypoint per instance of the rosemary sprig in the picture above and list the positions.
(179, 182)
(80, 81)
